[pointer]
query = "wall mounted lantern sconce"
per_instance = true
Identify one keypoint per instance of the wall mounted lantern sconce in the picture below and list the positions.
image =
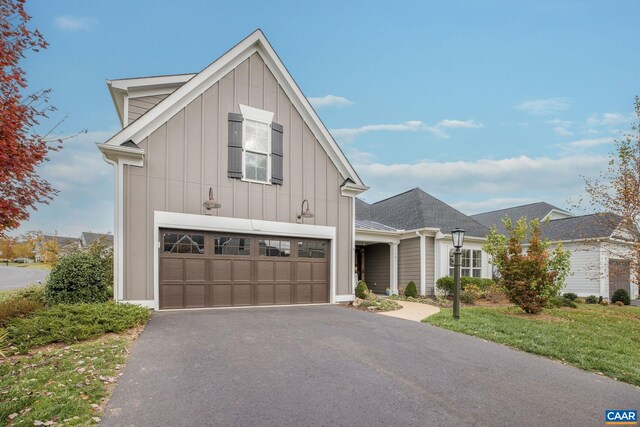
(304, 213)
(212, 203)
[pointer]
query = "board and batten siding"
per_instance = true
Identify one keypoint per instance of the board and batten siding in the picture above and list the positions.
(188, 154)
(377, 267)
(139, 106)
(586, 273)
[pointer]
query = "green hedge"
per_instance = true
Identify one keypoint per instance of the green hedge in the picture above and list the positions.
(446, 285)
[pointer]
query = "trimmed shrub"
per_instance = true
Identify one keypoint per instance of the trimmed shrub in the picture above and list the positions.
(361, 290)
(446, 285)
(604, 302)
(591, 299)
(411, 290)
(17, 307)
(570, 296)
(555, 302)
(78, 277)
(600, 299)
(621, 295)
(619, 303)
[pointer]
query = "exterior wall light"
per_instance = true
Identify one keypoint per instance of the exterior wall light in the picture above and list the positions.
(457, 235)
(304, 213)
(212, 203)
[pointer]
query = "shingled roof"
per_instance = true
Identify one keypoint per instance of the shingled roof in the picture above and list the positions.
(415, 209)
(591, 226)
(533, 210)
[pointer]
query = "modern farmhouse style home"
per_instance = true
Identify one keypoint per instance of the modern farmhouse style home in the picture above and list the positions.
(229, 189)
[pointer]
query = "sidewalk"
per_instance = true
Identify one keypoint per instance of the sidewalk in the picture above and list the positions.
(412, 311)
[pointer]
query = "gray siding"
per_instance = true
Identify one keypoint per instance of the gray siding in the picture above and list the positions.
(429, 254)
(139, 106)
(409, 262)
(188, 154)
(377, 263)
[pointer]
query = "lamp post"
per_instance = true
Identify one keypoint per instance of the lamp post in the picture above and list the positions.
(457, 235)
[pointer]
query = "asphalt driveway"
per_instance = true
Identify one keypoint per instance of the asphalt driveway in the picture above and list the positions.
(19, 277)
(329, 365)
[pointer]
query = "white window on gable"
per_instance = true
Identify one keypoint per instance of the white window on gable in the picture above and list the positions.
(256, 150)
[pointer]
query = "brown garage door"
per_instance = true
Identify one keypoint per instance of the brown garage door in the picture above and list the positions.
(619, 276)
(206, 269)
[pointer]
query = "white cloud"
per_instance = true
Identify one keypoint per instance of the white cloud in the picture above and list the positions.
(329, 101)
(586, 143)
(607, 119)
(544, 106)
(85, 182)
(462, 182)
(466, 124)
(561, 127)
(348, 134)
(75, 23)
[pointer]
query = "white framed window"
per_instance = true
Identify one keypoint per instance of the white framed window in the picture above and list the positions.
(256, 145)
(471, 263)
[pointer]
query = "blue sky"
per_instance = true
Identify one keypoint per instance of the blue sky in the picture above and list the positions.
(482, 104)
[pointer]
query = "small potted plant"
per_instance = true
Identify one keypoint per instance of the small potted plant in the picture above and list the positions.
(387, 291)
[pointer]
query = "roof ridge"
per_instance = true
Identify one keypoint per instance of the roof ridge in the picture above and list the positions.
(451, 207)
(519, 206)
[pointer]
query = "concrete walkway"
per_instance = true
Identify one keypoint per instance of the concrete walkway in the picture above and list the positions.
(412, 311)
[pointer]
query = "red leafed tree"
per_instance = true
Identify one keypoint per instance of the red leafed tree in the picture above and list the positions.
(21, 148)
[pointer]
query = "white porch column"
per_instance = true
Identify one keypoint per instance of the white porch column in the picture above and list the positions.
(393, 267)
(423, 266)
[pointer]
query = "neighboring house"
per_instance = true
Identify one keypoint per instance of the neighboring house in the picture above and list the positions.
(88, 238)
(65, 245)
(407, 237)
(70, 244)
(242, 128)
(597, 243)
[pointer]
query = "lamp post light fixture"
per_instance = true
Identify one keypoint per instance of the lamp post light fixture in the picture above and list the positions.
(212, 203)
(304, 213)
(457, 235)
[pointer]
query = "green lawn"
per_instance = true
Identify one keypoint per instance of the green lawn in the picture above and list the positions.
(62, 385)
(592, 337)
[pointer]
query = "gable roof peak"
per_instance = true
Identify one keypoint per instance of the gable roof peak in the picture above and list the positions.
(256, 42)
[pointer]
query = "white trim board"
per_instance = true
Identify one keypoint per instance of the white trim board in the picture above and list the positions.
(183, 221)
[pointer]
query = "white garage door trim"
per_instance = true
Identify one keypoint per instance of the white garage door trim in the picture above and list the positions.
(183, 221)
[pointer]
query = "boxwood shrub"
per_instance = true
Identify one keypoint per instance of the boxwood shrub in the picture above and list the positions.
(78, 277)
(411, 290)
(361, 290)
(621, 295)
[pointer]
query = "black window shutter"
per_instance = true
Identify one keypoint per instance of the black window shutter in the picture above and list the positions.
(276, 153)
(235, 146)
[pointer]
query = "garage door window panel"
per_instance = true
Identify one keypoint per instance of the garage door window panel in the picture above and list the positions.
(312, 250)
(230, 245)
(176, 243)
(274, 248)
